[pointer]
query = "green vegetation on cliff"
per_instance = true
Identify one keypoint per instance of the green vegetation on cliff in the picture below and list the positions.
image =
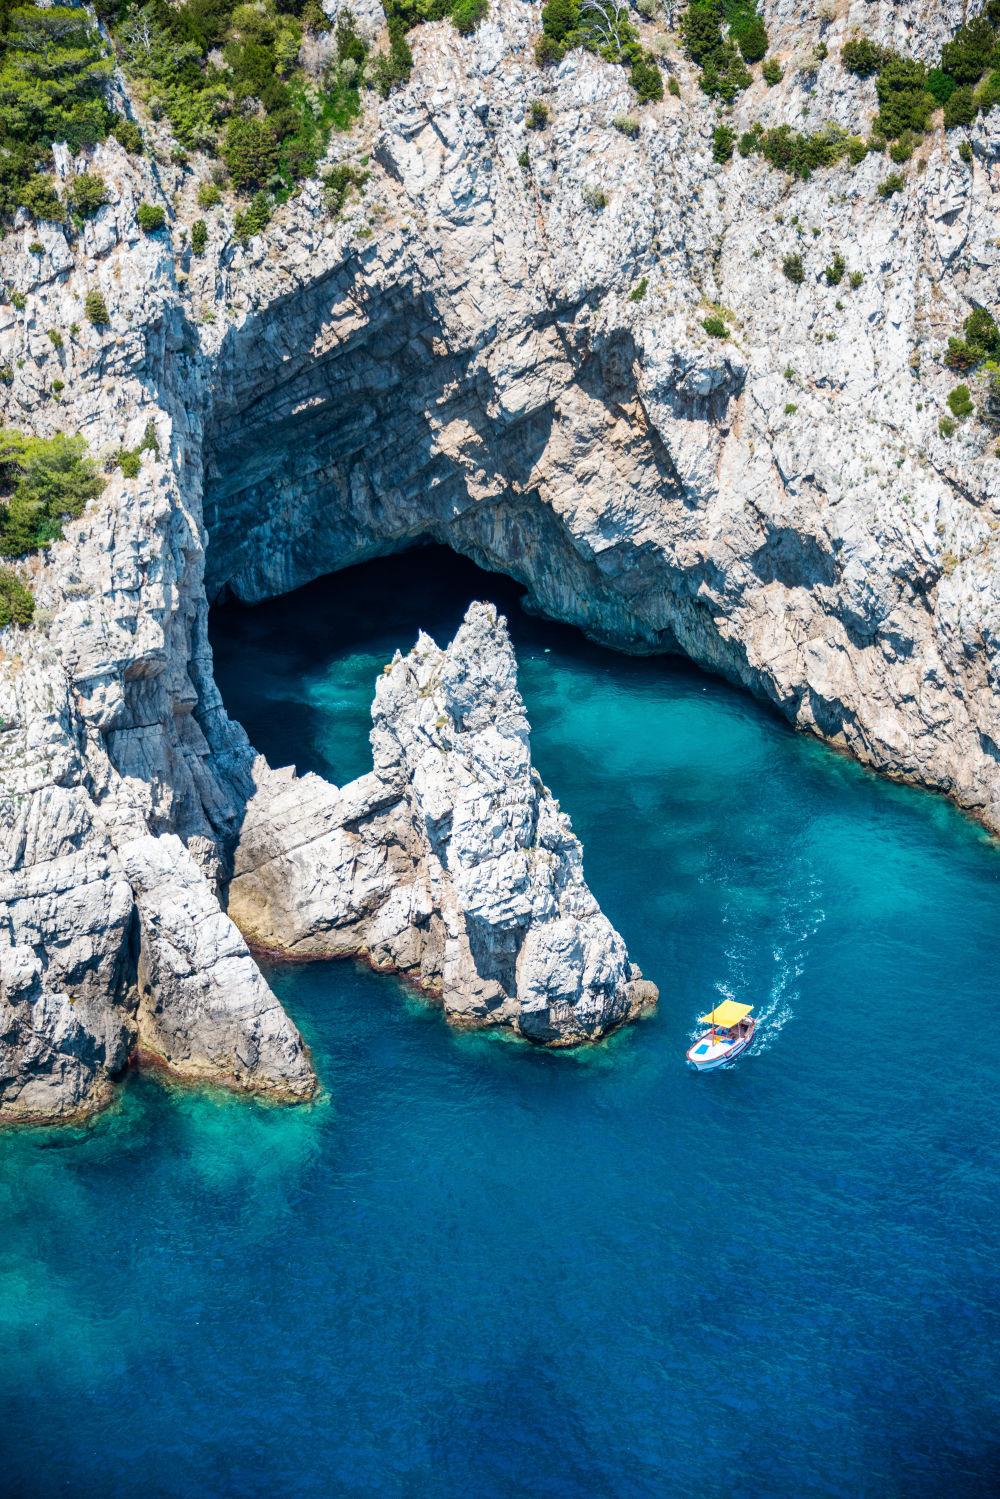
(43, 483)
(219, 71)
(602, 27)
(723, 37)
(53, 69)
(17, 607)
(966, 80)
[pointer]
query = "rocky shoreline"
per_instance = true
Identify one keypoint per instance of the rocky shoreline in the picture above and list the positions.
(465, 354)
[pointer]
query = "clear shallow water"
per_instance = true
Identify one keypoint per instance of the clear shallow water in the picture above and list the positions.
(480, 1270)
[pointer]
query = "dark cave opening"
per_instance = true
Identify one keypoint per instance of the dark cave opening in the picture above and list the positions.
(266, 654)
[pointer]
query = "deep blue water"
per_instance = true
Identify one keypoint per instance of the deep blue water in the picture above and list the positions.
(475, 1269)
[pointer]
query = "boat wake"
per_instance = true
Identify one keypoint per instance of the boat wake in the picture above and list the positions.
(798, 920)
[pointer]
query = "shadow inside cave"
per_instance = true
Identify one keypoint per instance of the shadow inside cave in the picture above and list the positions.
(273, 660)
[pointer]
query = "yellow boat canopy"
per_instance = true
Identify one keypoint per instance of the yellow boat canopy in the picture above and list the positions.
(727, 1014)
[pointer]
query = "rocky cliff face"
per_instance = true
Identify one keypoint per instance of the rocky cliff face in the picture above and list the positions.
(478, 353)
(450, 862)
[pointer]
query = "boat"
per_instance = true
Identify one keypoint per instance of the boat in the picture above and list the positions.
(731, 1031)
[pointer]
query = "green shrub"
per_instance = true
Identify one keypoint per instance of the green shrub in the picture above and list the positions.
(199, 237)
(96, 309)
(862, 57)
(537, 115)
(250, 151)
(965, 151)
(127, 134)
(151, 217)
(835, 272)
(961, 355)
(701, 30)
(392, 69)
(750, 140)
(961, 108)
(45, 482)
(751, 37)
(130, 462)
(595, 197)
(337, 184)
(894, 183)
(57, 387)
(725, 74)
(36, 248)
(940, 85)
(602, 27)
(17, 606)
(208, 195)
(53, 69)
(982, 332)
(946, 427)
(466, 15)
(904, 103)
(150, 442)
(638, 292)
(960, 402)
(627, 125)
(86, 194)
(790, 408)
(982, 341)
(524, 160)
(715, 327)
(646, 78)
(772, 72)
(560, 18)
(38, 195)
(254, 219)
(56, 338)
(856, 278)
(723, 141)
(793, 269)
(673, 87)
(800, 154)
(902, 149)
(970, 51)
(548, 52)
(171, 54)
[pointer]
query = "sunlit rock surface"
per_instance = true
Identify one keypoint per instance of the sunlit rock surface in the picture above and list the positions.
(474, 353)
(451, 862)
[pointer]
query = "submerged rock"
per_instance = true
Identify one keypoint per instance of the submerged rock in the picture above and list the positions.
(451, 862)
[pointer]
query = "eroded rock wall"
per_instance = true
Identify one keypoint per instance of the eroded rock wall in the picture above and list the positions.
(477, 353)
(451, 862)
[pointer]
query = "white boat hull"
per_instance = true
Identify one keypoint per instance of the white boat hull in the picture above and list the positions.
(705, 1055)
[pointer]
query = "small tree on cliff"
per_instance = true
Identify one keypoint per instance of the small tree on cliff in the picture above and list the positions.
(250, 152)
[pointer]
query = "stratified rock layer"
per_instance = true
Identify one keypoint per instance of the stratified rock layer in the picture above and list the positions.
(450, 863)
(476, 352)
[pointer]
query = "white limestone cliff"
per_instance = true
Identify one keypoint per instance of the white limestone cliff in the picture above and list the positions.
(450, 862)
(465, 355)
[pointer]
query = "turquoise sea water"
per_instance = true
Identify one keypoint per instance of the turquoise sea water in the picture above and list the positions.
(475, 1269)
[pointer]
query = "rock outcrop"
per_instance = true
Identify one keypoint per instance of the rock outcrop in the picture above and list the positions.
(450, 863)
(476, 351)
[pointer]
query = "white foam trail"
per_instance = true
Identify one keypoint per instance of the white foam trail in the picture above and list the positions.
(800, 918)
